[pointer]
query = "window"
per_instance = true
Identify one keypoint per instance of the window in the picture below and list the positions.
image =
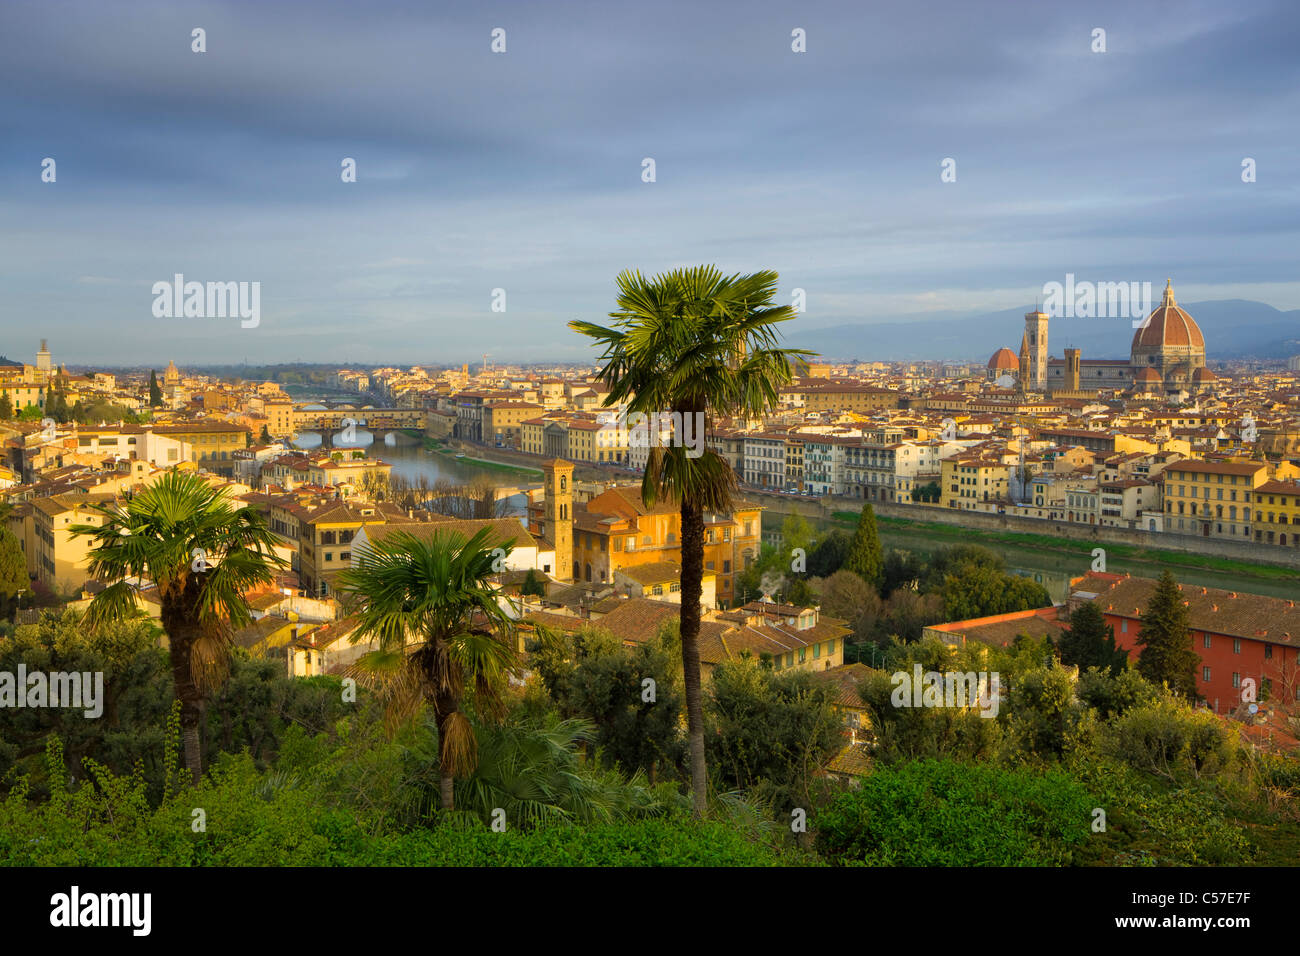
(1236, 645)
(329, 555)
(345, 556)
(1123, 627)
(817, 651)
(1268, 651)
(803, 654)
(1236, 679)
(1205, 674)
(1206, 640)
(631, 544)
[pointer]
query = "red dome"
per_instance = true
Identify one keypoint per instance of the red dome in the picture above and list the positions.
(1147, 375)
(1203, 374)
(1004, 359)
(1168, 325)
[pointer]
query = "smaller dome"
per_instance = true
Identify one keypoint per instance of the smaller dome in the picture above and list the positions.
(1148, 375)
(1203, 374)
(1004, 358)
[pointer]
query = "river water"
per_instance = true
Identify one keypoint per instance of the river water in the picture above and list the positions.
(411, 460)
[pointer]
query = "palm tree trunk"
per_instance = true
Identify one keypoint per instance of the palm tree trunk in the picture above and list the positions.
(180, 643)
(446, 782)
(692, 591)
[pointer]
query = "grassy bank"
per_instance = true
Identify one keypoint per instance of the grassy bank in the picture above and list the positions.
(1041, 542)
(442, 448)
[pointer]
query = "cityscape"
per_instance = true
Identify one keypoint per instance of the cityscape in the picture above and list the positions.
(406, 531)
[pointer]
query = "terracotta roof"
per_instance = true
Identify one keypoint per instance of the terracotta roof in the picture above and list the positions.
(1257, 617)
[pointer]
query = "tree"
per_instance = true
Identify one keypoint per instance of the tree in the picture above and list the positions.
(929, 492)
(829, 554)
(203, 555)
(865, 558)
(265, 437)
(846, 596)
(155, 393)
(6, 407)
(774, 731)
(980, 591)
(591, 675)
(1166, 640)
(1090, 641)
(435, 594)
(13, 569)
(533, 584)
(696, 344)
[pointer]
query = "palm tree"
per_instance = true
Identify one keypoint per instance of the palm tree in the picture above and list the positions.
(440, 631)
(204, 555)
(697, 343)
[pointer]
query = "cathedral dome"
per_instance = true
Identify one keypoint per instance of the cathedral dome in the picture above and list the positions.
(1004, 360)
(1168, 326)
(1146, 375)
(1203, 374)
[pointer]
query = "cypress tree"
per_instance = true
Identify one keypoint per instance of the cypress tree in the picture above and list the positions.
(155, 393)
(865, 557)
(1166, 640)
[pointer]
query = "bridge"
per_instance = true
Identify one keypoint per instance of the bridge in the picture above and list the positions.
(503, 493)
(340, 416)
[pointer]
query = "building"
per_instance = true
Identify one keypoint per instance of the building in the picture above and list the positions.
(616, 531)
(59, 558)
(1277, 513)
(1236, 635)
(1166, 358)
(1212, 498)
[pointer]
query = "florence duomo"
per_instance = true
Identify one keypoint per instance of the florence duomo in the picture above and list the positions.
(1166, 359)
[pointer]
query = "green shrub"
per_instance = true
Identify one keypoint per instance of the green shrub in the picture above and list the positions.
(941, 813)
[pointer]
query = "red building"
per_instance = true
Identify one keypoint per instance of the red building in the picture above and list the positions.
(1237, 635)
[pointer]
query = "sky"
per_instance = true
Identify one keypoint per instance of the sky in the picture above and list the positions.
(523, 170)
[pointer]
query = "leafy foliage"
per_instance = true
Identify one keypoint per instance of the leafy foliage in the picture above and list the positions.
(943, 813)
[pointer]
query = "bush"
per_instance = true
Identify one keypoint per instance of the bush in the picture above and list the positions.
(1169, 739)
(942, 813)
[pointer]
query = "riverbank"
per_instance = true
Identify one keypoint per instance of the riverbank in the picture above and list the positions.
(1082, 550)
(441, 447)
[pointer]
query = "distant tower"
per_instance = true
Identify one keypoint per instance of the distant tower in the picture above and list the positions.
(1024, 363)
(172, 376)
(43, 363)
(1036, 339)
(1072, 370)
(558, 498)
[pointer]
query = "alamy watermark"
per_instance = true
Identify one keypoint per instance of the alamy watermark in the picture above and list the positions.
(77, 689)
(948, 689)
(1098, 300)
(208, 300)
(656, 430)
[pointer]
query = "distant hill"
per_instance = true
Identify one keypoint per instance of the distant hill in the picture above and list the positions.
(1233, 328)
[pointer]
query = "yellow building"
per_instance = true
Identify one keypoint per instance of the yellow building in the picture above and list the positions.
(1277, 513)
(967, 481)
(615, 531)
(502, 421)
(1212, 498)
(213, 442)
(60, 559)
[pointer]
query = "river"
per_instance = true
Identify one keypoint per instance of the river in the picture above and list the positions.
(411, 460)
